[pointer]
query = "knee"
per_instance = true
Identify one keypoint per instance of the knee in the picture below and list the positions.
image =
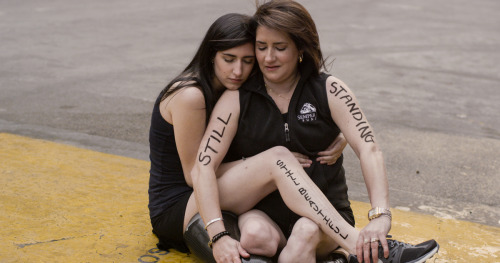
(257, 238)
(281, 152)
(302, 244)
(305, 232)
(280, 157)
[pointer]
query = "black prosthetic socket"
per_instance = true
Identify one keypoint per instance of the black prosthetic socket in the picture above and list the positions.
(197, 238)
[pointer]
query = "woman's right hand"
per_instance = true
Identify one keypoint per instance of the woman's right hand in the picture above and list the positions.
(331, 154)
(377, 229)
(228, 250)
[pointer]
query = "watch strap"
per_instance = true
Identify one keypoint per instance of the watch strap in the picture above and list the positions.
(379, 211)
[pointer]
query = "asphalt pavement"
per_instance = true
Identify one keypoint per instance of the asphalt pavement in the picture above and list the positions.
(86, 73)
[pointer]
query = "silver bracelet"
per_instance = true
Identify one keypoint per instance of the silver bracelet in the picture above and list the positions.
(212, 221)
(387, 215)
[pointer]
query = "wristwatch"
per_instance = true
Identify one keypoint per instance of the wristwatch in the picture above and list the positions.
(379, 211)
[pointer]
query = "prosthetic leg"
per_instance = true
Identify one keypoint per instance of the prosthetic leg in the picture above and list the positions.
(197, 238)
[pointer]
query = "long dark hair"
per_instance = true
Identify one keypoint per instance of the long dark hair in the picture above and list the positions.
(228, 31)
(293, 19)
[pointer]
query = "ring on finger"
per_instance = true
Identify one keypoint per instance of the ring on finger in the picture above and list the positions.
(374, 239)
(366, 241)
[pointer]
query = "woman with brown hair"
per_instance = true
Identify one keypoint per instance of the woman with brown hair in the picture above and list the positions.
(292, 106)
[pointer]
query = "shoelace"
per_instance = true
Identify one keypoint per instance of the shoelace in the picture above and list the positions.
(393, 243)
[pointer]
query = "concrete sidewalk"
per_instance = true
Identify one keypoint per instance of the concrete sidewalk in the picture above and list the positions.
(60, 203)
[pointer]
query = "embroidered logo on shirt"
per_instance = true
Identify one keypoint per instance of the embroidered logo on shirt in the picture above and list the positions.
(307, 113)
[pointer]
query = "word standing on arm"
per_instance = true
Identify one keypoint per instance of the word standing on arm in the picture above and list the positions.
(357, 115)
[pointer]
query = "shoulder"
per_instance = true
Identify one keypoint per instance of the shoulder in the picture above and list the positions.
(187, 100)
(332, 80)
(186, 97)
(337, 87)
(191, 96)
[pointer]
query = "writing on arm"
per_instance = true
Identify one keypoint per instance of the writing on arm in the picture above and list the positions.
(361, 124)
(210, 147)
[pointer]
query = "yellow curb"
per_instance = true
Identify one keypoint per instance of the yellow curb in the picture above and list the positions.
(459, 241)
(63, 203)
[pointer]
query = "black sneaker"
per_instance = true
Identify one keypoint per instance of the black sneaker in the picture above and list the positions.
(400, 252)
(337, 256)
(341, 255)
(336, 259)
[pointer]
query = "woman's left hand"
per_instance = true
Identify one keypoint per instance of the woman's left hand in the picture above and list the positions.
(303, 159)
(333, 152)
(369, 237)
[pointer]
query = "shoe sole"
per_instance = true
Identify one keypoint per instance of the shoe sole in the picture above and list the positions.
(421, 259)
(418, 260)
(426, 256)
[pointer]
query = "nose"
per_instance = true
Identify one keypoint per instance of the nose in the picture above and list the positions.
(238, 69)
(269, 57)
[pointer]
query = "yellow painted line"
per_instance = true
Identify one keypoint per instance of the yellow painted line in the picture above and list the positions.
(62, 203)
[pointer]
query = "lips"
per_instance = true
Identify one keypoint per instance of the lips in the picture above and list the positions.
(236, 80)
(271, 68)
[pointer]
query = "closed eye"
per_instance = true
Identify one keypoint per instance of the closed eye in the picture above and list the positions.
(248, 61)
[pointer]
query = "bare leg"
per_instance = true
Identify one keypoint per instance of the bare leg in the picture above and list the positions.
(301, 246)
(306, 243)
(259, 234)
(245, 183)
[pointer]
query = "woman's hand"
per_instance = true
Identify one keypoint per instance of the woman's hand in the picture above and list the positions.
(376, 231)
(303, 159)
(333, 152)
(328, 156)
(228, 250)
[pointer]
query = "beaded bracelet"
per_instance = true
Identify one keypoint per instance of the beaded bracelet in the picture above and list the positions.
(217, 237)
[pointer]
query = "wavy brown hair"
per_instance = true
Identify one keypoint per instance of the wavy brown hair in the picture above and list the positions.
(293, 19)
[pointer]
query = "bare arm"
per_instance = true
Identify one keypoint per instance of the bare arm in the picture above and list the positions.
(214, 145)
(348, 115)
(185, 110)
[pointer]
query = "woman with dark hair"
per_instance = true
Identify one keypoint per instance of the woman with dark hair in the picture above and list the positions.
(292, 103)
(224, 60)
